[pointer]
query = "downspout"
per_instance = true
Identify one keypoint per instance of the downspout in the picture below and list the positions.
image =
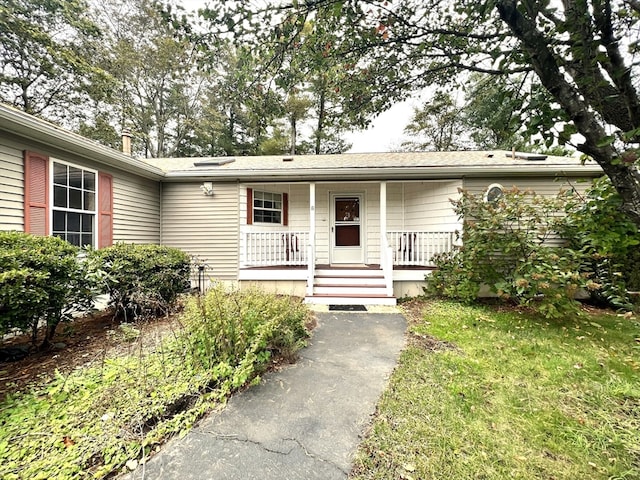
(161, 215)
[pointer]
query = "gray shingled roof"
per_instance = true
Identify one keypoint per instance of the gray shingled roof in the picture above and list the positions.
(369, 166)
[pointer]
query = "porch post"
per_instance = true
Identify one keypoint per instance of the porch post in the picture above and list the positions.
(386, 260)
(311, 257)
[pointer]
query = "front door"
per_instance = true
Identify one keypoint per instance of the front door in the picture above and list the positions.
(347, 213)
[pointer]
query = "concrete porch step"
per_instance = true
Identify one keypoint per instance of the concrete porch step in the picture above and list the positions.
(349, 289)
(319, 299)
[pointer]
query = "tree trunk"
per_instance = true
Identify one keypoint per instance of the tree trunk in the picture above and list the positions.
(624, 177)
(294, 134)
(320, 124)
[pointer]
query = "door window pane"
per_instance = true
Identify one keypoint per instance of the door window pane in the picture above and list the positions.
(347, 235)
(347, 209)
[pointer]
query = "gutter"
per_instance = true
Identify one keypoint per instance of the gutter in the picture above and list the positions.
(31, 128)
(386, 173)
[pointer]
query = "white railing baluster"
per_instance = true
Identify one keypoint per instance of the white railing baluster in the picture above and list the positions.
(279, 248)
(417, 248)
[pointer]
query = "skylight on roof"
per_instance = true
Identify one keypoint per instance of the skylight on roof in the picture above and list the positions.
(531, 157)
(213, 162)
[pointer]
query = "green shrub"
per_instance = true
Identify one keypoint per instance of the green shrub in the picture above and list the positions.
(41, 279)
(597, 226)
(143, 279)
(227, 328)
(506, 245)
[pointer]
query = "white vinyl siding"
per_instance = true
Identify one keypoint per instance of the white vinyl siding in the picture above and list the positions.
(11, 186)
(204, 226)
(548, 187)
(422, 206)
(298, 205)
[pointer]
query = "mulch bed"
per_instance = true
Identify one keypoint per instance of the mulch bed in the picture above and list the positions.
(78, 343)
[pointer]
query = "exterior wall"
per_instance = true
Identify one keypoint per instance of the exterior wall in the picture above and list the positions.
(11, 186)
(204, 226)
(422, 206)
(136, 216)
(136, 209)
(295, 288)
(298, 206)
(544, 186)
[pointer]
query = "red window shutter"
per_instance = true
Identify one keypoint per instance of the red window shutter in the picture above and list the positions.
(285, 209)
(249, 206)
(105, 210)
(36, 193)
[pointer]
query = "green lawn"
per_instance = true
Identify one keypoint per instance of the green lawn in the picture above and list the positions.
(481, 394)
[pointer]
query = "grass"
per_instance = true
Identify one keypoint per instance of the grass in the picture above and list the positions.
(482, 394)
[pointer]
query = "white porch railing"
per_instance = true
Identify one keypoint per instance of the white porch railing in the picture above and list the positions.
(418, 248)
(266, 249)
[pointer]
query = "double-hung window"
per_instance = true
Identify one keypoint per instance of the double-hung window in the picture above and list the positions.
(267, 207)
(74, 204)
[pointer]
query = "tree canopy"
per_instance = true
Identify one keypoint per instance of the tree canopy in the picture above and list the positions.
(45, 47)
(582, 52)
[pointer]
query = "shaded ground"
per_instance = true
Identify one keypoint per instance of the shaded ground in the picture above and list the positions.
(79, 343)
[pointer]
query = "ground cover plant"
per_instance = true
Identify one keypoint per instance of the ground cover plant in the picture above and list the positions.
(482, 393)
(93, 421)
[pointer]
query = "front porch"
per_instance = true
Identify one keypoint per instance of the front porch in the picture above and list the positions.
(282, 257)
(345, 242)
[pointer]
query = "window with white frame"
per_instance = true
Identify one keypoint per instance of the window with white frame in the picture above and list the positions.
(267, 207)
(494, 192)
(74, 204)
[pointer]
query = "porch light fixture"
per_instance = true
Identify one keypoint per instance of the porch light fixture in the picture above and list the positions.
(207, 188)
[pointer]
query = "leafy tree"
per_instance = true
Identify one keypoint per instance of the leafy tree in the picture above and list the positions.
(494, 111)
(46, 48)
(582, 52)
(157, 89)
(438, 123)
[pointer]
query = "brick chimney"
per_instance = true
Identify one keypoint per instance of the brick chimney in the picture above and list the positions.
(126, 142)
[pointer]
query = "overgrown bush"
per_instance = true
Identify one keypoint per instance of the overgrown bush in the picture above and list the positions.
(512, 246)
(41, 279)
(143, 280)
(247, 326)
(609, 241)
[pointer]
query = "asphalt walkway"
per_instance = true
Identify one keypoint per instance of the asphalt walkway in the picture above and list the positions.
(302, 422)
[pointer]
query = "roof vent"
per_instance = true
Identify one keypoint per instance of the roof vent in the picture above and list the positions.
(213, 162)
(530, 157)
